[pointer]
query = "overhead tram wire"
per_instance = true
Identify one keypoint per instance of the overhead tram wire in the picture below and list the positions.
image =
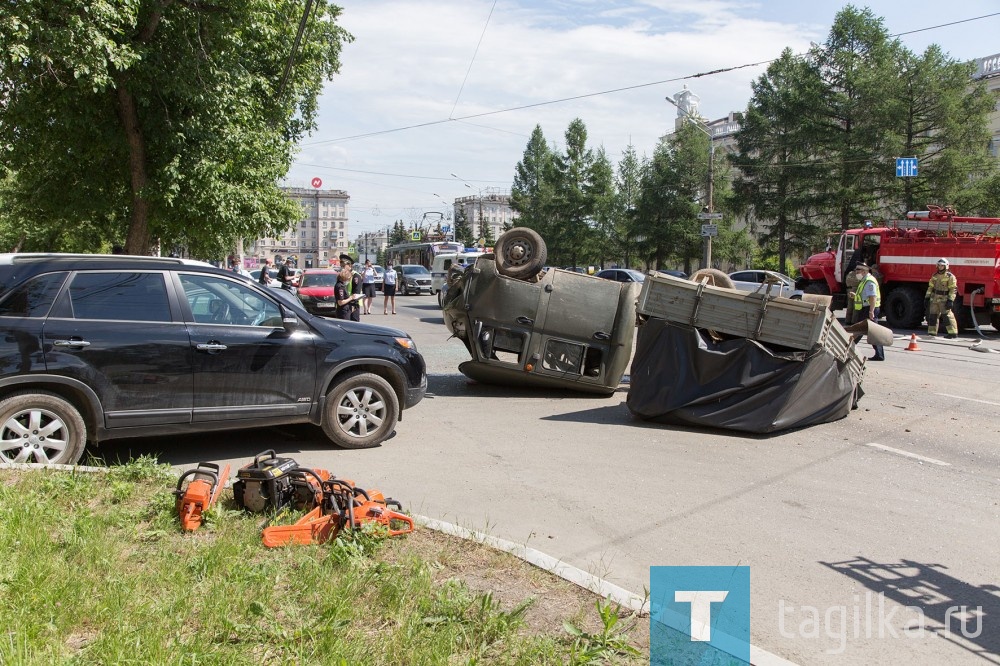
(471, 62)
(722, 70)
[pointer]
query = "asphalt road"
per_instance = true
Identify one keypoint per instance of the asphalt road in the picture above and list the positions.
(861, 534)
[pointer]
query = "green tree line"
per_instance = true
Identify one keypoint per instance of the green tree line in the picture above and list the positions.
(815, 153)
(156, 122)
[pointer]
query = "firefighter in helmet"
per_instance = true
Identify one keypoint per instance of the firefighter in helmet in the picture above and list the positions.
(939, 300)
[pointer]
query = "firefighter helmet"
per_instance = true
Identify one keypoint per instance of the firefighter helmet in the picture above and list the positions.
(942, 263)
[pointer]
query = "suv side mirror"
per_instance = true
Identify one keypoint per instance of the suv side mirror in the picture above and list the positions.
(288, 319)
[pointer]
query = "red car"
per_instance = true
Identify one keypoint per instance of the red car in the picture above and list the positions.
(316, 291)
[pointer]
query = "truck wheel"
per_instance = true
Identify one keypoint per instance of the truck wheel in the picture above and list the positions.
(995, 320)
(40, 428)
(904, 307)
(520, 253)
(361, 411)
(962, 315)
(819, 288)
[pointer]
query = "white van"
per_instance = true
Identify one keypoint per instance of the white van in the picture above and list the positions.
(444, 263)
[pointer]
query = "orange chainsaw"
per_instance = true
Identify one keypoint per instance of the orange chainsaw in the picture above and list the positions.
(200, 493)
(343, 504)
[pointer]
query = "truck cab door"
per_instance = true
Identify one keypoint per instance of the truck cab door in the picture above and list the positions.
(845, 251)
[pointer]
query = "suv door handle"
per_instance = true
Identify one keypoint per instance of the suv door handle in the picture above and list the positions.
(601, 335)
(211, 346)
(526, 321)
(70, 343)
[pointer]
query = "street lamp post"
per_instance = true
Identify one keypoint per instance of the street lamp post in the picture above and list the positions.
(479, 201)
(707, 256)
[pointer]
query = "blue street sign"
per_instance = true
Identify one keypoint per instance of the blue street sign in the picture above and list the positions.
(446, 228)
(906, 167)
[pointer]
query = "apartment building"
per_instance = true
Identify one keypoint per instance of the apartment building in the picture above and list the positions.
(490, 209)
(321, 234)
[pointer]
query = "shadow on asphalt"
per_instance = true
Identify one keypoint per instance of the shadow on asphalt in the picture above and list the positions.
(458, 385)
(959, 612)
(239, 444)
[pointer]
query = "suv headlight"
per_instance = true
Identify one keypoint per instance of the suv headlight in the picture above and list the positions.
(406, 343)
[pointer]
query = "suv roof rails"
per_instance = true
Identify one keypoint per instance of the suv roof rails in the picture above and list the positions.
(29, 257)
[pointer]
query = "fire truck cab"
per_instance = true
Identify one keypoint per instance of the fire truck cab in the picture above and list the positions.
(903, 258)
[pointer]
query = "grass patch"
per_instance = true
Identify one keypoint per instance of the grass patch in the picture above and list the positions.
(97, 571)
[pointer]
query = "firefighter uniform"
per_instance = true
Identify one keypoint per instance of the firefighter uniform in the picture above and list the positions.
(939, 299)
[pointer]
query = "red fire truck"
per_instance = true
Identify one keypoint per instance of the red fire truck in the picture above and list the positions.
(903, 258)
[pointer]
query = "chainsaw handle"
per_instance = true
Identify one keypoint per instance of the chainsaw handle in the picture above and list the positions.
(257, 458)
(395, 515)
(196, 471)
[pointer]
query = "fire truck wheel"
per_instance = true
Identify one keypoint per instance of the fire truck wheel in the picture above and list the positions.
(817, 288)
(963, 318)
(520, 253)
(995, 320)
(904, 307)
(40, 428)
(361, 411)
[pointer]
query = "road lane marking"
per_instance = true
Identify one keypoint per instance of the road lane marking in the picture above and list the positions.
(959, 397)
(915, 456)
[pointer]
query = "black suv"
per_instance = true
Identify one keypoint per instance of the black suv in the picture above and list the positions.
(97, 347)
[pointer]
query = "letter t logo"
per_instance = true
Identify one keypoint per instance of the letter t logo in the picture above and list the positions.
(701, 610)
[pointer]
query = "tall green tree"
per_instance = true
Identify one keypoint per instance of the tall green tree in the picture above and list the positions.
(621, 234)
(944, 123)
(531, 193)
(600, 190)
(774, 155)
(573, 205)
(856, 121)
(463, 232)
(159, 121)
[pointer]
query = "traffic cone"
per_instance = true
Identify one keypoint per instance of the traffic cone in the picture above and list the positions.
(913, 343)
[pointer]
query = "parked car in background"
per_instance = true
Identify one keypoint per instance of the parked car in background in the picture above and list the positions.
(443, 263)
(669, 271)
(621, 275)
(758, 280)
(379, 276)
(575, 269)
(272, 275)
(316, 290)
(101, 347)
(413, 279)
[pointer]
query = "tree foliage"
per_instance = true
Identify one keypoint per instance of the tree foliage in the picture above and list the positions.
(148, 121)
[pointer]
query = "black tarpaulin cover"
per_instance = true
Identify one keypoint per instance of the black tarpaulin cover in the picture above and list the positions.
(681, 376)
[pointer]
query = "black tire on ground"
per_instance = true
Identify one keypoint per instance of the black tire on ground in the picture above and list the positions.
(361, 411)
(903, 307)
(520, 253)
(402, 289)
(41, 428)
(995, 320)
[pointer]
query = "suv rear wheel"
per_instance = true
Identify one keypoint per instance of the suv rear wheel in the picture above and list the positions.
(40, 428)
(361, 411)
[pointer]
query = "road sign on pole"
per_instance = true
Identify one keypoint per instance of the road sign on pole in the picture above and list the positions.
(709, 230)
(906, 167)
(709, 216)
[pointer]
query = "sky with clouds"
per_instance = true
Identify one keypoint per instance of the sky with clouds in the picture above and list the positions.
(429, 89)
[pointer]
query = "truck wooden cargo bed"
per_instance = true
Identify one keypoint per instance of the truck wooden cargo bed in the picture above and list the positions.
(773, 320)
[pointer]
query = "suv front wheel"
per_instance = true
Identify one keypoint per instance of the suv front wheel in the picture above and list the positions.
(40, 428)
(361, 411)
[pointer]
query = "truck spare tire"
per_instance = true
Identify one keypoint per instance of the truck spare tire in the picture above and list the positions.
(520, 253)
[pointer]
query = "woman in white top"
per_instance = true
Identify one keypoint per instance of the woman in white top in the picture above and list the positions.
(368, 276)
(389, 288)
